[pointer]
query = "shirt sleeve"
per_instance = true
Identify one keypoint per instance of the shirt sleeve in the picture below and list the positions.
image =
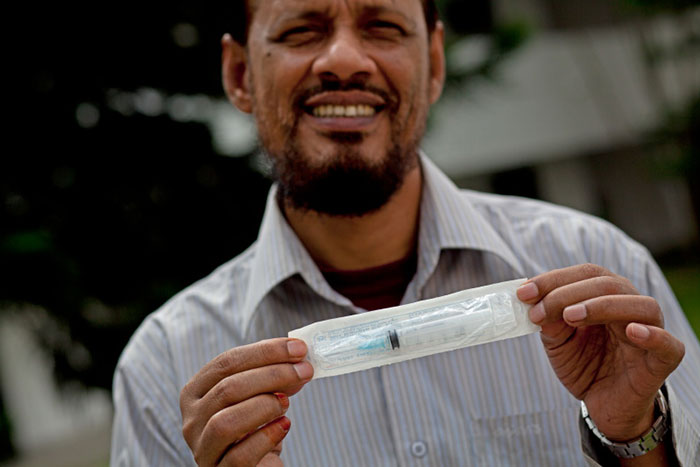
(147, 421)
(682, 385)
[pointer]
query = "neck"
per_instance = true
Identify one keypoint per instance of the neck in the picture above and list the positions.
(374, 239)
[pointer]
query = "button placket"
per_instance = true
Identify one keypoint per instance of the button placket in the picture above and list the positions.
(411, 426)
(401, 413)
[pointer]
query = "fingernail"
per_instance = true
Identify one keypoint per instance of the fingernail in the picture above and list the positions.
(537, 313)
(638, 331)
(284, 400)
(527, 291)
(575, 312)
(285, 423)
(296, 348)
(304, 370)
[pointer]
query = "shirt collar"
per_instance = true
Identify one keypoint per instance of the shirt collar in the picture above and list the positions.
(448, 220)
(279, 255)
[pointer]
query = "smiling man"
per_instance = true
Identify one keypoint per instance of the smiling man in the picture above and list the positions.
(357, 220)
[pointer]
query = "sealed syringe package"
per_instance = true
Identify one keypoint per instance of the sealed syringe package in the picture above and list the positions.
(376, 338)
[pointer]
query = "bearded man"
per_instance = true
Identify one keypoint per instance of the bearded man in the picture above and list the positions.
(359, 219)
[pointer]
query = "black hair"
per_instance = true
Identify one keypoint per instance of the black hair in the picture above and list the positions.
(239, 15)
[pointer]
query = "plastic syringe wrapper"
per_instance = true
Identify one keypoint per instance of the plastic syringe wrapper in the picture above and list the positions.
(376, 338)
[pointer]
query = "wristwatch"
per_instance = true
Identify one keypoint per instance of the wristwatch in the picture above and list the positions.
(639, 446)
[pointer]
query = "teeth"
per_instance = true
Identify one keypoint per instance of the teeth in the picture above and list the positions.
(343, 111)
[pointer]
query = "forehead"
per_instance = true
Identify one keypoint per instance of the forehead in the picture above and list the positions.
(330, 7)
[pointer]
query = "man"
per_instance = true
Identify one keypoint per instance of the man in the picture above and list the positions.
(359, 220)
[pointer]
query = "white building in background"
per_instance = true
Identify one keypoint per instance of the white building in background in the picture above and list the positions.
(573, 104)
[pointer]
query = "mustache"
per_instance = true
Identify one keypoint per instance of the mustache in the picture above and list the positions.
(391, 101)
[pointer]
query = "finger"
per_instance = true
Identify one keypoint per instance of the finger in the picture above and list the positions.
(243, 358)
(271, 459)
(666, 351)
(277, 450)
(233, 423)
(612, 309)
(296, 388)
(251, 450)
(550, 308)
(242, 386)
(534, 289)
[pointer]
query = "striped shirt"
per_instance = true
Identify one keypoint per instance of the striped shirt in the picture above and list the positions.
(493, 404)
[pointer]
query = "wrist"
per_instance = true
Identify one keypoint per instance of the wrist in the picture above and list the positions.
(621, 433)
(638, 445)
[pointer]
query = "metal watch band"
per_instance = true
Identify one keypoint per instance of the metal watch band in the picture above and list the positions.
(639, 446)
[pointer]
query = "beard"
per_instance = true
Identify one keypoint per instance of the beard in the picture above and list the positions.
(346, 184)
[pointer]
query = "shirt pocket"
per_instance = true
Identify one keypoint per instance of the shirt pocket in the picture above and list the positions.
(544, 438)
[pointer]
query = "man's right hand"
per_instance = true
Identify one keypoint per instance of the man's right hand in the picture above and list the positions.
(233, 409)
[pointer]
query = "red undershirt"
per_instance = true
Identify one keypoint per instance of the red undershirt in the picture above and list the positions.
(374, 288)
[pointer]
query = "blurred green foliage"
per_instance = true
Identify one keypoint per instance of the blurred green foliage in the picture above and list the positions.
(685, 282)
(101, 223)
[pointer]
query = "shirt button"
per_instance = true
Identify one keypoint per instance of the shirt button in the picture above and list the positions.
(419, 449)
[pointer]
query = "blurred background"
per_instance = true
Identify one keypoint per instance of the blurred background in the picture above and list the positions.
(128, 175)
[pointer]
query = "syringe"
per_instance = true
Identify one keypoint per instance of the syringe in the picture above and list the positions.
(433, 328)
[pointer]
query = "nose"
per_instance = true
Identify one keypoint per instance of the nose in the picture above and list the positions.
(343, 57)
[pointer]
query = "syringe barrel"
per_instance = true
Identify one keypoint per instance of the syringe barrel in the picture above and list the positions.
(443, 327)
(381, 337)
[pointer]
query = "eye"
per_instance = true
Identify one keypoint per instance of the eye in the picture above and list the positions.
(386, 29)
(300, 35)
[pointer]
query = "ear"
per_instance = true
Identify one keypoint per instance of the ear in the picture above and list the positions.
(437, 61)
(234, 73)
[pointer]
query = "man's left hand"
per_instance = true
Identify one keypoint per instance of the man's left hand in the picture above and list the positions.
(606, 343)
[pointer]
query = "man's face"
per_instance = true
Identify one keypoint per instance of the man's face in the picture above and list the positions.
(340, 90)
